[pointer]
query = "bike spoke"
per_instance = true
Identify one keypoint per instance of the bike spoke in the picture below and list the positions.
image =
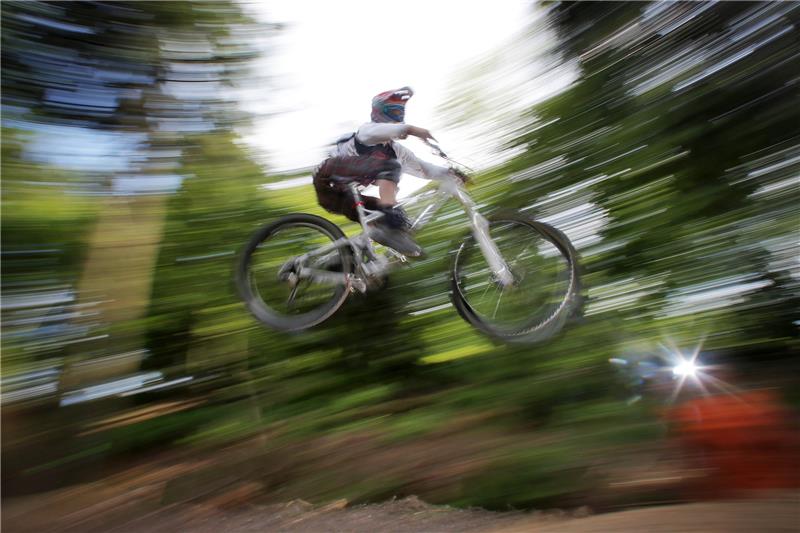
(489, 284)
(497, 305)
(541, 279)
(292, 294)
(284, 253)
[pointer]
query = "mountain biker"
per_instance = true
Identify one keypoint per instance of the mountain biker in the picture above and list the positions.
(371, 155)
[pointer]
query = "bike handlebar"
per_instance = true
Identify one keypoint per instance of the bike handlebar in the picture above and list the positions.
(437, 150)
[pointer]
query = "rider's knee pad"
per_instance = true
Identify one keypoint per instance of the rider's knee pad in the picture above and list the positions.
(391, 171)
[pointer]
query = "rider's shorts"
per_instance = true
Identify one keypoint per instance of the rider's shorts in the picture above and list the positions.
(363, 169)
(332, 176)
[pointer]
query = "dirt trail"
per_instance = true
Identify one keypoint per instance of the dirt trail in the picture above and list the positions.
(776, 513)
(412, 515)
(194, 494)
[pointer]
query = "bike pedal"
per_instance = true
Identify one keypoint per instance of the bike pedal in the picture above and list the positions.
(396, 255)
(358, 284)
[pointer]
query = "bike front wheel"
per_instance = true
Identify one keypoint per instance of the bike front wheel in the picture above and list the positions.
(270, 279)
(546, 287)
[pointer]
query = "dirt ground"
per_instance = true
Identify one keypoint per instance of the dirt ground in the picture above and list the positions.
(776, 513)
(197, 493)
(410, 515)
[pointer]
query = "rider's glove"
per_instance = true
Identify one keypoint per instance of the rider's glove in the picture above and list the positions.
(460, 175)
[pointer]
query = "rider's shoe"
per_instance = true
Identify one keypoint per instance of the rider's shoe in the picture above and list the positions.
(392, 230)
(397, 239)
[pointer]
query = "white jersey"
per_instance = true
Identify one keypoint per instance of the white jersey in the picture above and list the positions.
(373, 133)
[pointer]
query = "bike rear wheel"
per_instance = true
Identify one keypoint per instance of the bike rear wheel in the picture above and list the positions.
(546, 288)
(267, 275)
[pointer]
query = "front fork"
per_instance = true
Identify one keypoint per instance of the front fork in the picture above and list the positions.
(480, 230)
(500, 270)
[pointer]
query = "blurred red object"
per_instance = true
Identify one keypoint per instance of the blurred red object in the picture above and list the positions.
(744, 441)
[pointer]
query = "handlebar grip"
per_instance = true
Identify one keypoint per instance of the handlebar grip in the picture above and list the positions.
(435, 147)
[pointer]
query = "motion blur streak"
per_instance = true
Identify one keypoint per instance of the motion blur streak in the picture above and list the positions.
(662, 137)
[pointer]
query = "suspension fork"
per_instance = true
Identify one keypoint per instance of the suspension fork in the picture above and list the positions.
(480, 230)
(500, 269)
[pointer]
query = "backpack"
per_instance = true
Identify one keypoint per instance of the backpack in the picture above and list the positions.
(378, 151)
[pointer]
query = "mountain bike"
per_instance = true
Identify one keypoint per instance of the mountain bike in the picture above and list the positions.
(512, 278)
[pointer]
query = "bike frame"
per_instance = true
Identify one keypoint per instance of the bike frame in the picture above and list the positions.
(376, 265)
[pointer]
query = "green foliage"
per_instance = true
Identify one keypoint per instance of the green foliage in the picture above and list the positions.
(677, 194)
(38, 210)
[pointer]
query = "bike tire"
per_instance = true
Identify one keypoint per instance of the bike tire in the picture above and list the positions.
(254, 300)
(541, 325)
